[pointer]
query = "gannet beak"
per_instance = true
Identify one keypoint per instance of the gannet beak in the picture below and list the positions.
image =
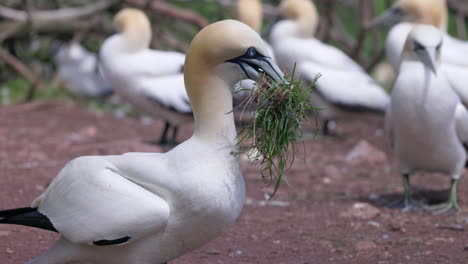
(388, 18)
(254, 64)
(429, 58)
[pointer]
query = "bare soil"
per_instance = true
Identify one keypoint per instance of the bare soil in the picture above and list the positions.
(333, 211)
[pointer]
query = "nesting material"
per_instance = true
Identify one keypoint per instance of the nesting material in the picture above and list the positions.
(280, 109)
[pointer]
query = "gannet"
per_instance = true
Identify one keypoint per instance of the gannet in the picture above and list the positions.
(79, 69)
(150, 80)
(344, 88)
(146, 208)
(407, 14)
(427, 124)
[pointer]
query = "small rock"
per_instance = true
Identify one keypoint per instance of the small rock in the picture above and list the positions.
(362, 211)
(365, 245)
(4, 233)
(9, 251)
(364, 152)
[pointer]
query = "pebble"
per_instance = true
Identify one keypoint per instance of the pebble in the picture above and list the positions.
(362, 211)
(364, 152)
(9, 251)
(365, 245)
(4, 233)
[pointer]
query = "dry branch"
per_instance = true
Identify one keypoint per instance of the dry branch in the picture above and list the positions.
(55, 15)
(168, 10)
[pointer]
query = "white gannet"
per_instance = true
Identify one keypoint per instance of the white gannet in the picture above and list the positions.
(407, 14)
(427, 124)
(150, 80)
(344, 89)
(146, 208)
(79, 69)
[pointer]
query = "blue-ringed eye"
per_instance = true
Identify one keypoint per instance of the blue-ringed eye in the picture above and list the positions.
(251, 52)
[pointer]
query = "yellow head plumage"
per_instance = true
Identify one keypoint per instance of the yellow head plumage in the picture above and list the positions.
(134, 25)
(302, 11)
(250, 13)
(432, 12)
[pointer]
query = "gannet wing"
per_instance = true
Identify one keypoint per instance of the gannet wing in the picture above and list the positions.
(458, 79)
(451, 50)
(155, 63)
(348, 89)
(322, 54)
(168, 91)
(91, 201)
(461, 117)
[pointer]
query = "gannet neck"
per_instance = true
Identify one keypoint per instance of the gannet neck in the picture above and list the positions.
(250, 12)
(211, 100)
(303, 13)
(432, 12)
(134, 28)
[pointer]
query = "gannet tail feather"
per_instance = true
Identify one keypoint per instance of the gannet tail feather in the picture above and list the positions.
(26, 216)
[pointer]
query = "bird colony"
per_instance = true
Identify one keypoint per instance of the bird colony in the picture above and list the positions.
(145, 208)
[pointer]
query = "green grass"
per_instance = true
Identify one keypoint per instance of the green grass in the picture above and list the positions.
(281, 109)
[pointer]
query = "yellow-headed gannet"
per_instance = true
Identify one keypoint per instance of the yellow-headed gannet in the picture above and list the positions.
(79, 69)
(146, 208)
(344, 88)
(427, 124)
(407, 14)
(150, 80)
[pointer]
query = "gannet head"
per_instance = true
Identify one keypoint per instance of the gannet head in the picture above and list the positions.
(425, 41)
(250, 13)
(135, 28)
(302, 12)
(432, 12)
(231, 51)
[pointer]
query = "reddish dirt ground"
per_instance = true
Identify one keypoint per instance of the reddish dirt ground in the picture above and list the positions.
(331, 212)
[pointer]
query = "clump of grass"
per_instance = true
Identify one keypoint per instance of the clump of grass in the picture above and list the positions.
(280, 110)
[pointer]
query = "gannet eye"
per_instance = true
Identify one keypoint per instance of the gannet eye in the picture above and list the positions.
(251, 52)
(418, 46)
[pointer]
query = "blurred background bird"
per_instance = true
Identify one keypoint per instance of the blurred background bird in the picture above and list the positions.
(79, 69)
(344, 89)
(151, 80)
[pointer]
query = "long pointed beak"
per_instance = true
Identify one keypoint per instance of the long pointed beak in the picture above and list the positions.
(429, 58)
(389, 18)
(255, 66)
(269, 67)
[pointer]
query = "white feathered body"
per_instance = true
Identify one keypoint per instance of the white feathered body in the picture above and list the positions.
(79, 69)
(150, 80)
(169, 204)
(425, 122)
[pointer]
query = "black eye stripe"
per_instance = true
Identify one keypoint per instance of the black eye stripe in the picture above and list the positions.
(418, 46)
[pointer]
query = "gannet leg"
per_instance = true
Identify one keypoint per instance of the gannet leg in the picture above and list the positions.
(325, 129)
(173, 139)
(451, 204)
(163, 139)
(407, 204)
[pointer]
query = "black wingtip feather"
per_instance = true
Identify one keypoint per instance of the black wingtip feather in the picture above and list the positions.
(26, 216)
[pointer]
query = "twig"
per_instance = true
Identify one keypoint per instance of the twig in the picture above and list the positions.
(55, 15)
(366, 14)
(17, 65)
(168, 10)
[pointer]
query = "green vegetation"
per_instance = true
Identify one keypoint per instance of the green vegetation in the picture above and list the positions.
(281, 109)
